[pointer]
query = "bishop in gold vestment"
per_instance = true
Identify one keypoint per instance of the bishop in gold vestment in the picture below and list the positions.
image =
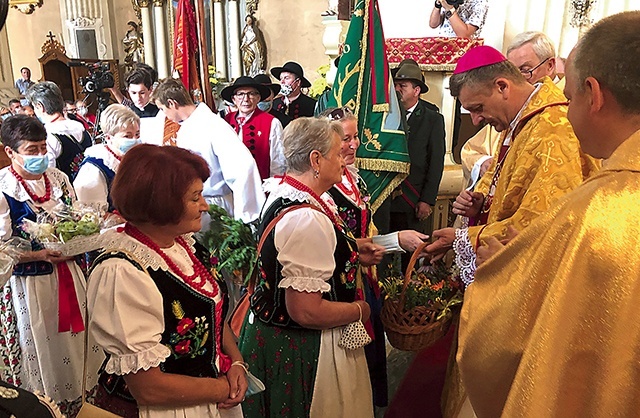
(544, 162)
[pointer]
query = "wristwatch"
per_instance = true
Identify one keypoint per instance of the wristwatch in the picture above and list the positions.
(449, 13)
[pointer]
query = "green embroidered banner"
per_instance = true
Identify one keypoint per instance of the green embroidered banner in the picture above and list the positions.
(363, 84)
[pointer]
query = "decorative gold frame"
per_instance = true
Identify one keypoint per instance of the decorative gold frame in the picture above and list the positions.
(26, 6)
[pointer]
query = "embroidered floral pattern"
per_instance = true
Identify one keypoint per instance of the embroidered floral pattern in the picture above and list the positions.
(10, 352)
(190, 336)
(350, 269)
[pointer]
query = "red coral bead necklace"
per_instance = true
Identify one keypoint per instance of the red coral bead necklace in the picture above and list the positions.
(199, 270)
(116, 156)
(31, 193)
(304, 188)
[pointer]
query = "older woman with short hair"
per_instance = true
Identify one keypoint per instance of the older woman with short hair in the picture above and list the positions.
(154, 307)
(121, 129)
(307, 290)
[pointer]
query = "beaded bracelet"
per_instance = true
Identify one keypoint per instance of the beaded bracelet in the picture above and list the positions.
(242, 364)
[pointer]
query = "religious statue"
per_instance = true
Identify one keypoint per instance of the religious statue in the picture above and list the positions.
(253, 48)
(133, 46)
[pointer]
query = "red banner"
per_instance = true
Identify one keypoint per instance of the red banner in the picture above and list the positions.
(185, 45)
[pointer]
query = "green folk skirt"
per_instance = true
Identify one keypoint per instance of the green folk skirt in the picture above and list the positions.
(285, 360)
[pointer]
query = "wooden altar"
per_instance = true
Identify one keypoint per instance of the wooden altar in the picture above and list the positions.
(64, 71)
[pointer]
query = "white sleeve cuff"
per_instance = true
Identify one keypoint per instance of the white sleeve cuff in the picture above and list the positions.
(390, 242)
(121, 364)
(305, 284)
(465, 256)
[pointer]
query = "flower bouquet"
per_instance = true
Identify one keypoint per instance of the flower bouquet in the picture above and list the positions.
(231, 243)
(72, 230)
(417, 308)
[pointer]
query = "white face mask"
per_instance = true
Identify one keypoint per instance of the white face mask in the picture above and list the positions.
(285, 89)
(82, 111)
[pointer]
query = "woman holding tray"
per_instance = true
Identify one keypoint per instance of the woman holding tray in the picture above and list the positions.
(42, 341)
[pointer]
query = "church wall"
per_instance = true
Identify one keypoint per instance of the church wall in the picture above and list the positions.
(293, 31)
(27, 33)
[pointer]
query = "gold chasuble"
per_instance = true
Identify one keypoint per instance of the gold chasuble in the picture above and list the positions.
(550, 326)
(543, 163)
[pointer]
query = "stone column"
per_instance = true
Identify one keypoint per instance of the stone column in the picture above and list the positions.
(219, 46)
(332, 39)
(234, 40)
(147, 33)
(162, 58)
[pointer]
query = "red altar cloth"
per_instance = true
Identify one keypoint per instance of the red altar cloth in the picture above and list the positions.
(434, 54)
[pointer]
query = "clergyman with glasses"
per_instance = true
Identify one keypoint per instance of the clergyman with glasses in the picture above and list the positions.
(259, 131)
(534, 54)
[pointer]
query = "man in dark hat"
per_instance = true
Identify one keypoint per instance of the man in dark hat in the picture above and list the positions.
(293, 102)
(259, 131)
(413, 200)
(266, 105)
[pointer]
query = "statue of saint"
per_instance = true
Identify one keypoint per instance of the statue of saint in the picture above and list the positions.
(253, 49)
(133, 46)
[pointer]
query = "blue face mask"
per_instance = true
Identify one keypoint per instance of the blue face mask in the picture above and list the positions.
(125, 144)
(35, 164)
(265, 106)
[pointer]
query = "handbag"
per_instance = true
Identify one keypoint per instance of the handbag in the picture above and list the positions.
(354, 335)
(242, 307)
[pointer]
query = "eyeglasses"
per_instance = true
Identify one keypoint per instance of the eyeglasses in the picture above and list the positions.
(529, 73)
(339, 113)
(249, 94)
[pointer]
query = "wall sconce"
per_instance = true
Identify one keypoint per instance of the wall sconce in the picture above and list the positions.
(26, 6)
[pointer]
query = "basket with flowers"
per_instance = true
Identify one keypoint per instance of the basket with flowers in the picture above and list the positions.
(417, 308)
(231, 243)
(72, 230)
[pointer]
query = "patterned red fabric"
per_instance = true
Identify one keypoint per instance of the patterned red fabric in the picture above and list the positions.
(429, 51)
(185, 45)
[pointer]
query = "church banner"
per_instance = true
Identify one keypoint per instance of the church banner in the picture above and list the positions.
(364, 85)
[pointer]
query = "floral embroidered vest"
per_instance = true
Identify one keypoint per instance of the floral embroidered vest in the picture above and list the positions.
(189, 321)
(350, 213)
(268, 300)
(72, 153)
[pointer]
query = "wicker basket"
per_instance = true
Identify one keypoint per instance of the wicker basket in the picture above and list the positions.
(414, 329)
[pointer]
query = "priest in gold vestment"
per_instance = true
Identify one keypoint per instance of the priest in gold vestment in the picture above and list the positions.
(539, 161)
(550, 326)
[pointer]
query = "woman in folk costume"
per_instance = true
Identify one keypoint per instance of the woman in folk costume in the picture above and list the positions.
(41, 307)
(154, 307)
(308, 289)
(121, 129)
(352, 200)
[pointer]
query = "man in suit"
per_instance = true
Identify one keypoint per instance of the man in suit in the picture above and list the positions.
(293, 102)
(413, 200)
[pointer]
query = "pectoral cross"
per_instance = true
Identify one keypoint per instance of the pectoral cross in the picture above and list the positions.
(548, 158)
